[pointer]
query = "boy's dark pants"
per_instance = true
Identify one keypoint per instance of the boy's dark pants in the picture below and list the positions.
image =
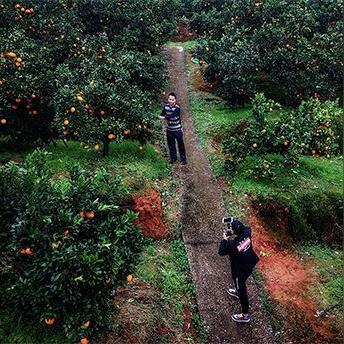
(240, 285)
(172, 136)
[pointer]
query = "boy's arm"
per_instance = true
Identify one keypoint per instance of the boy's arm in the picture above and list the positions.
(162, 114)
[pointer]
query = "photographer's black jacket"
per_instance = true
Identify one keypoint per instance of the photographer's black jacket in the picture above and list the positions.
(240, 250)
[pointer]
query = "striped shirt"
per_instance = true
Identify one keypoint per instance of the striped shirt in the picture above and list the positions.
(172, 116)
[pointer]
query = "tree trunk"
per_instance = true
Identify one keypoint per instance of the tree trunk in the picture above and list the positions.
(106, 147)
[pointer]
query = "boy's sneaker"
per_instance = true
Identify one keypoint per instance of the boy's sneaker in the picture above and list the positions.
(240, 317)
(232, 292)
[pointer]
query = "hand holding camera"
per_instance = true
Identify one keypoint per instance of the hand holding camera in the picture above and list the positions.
(228, 231)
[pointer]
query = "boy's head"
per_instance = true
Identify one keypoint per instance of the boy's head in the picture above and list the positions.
(172, 98)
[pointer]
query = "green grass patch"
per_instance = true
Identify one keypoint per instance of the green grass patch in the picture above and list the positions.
(186, 45)
(329, 266)
(165, 266)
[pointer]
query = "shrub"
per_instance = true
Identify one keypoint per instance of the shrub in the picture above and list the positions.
(308, 130)
(65, 245)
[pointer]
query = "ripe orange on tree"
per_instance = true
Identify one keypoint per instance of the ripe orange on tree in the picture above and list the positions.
(50, 321)
(90, 214)
(84, 340)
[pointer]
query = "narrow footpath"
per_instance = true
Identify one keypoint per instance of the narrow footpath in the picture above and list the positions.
(202, 230)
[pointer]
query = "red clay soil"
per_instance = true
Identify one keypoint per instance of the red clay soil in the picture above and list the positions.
(150, 215)
(287, 282)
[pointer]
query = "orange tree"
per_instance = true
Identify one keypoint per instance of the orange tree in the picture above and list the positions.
(85, 70)
(65, 246)
(290, 50)
(311, 129)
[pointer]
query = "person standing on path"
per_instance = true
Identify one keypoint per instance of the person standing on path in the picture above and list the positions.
(174, 130)
(242, 259)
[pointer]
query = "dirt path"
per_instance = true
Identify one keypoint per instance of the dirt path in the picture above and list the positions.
(202, 231)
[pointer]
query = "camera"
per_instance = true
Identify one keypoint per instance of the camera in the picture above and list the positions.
(228, 221)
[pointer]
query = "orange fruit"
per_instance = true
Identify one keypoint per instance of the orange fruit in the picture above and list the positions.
(3, 121)
(82, 214)
(90, 214)
(254, 145)
(17, 6)
(96, 147)
(102, 112)
(86, 324)
(22, 251)
(84, 341)
(127, 131)
(28, 251)
(66, 122)
(72, 109)
(286, 143)
(50, 321)
(10, 54)
(79, 98)
(129, 278)
(35, 112)
(18, 64)
(111, 136)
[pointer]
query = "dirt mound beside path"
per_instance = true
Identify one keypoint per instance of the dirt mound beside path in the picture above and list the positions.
(202, 231)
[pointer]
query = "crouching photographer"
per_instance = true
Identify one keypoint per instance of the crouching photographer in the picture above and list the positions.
(237, 243)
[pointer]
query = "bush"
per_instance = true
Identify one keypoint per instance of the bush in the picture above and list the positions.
(292, 47)
(308, 130)
(65, 245)
(84, 70)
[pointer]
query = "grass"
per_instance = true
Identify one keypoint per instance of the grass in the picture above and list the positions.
(186, 45)
(165, 266)
(329, 266)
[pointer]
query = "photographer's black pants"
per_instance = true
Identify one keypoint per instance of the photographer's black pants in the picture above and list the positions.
(240, 285)
(172, 137)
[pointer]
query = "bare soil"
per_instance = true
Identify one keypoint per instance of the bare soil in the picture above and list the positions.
(150, 218)
(287, 280)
